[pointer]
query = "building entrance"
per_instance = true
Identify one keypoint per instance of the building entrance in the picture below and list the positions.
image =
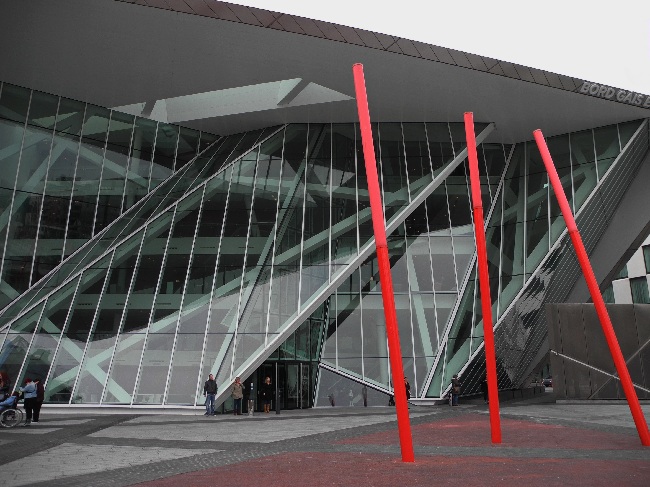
(294, 384)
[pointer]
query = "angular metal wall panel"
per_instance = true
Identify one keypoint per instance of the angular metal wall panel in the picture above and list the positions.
(593, 376)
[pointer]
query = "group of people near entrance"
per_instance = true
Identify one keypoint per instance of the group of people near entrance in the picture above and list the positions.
(267, 392)
(32, 393)
(237, 391)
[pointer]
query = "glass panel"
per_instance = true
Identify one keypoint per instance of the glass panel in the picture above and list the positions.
(392, 164)
(417, 156)
(57, 309)
(70, 117)
(536, 210)
(187, 146)
(607, 148)
(115, 162)
(17, 343)
(442, 259)
(348, 332)
(11, 136)
(639, 288)
(512, 255)
(286, 271)
(13, 354)
(464, 249)
(14, 102)
(425, 328)
(137, 184)
(419, 264)
(457, 131)
(100, 348)
(584, 169)
(124, 369)
(560, 151)
(441, 150)
(88, 173)
(153, 372)
(73, 341)
(460, 212)
(438, 211)
(38, 363)
(42, 111)
(185, 368)
(163, 159)
(26, 208)
(626, 131)
(343, 181)
(315, 265)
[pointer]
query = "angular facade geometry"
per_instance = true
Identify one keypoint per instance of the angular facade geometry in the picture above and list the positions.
(161, 224)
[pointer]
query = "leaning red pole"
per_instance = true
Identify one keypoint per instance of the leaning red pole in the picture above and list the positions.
(597, 298)
(484, 279)
(399, 389)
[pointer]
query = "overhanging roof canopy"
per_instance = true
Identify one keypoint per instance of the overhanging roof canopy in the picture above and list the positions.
(227, 68)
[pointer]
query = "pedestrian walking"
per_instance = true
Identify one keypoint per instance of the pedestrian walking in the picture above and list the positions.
(29, 395)
(210, 393)
(237, 393)
(266, 394)
(455, 390)
(40, 397)
(407, 386)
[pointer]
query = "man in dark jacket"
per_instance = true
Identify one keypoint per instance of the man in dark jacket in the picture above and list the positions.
(210, 392)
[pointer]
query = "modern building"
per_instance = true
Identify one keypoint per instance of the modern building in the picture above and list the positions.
(183, 193)
(630, 286)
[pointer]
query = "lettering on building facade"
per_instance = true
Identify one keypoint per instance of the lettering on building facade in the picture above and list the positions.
(609, 93)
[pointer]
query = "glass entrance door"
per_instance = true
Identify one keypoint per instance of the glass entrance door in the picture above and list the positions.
(304, 385)
(293, 381)
(293, 386)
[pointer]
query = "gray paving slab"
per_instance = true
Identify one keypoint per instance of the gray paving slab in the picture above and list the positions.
(615, 415)
(18, 430)
(70, 459)
(267, 430)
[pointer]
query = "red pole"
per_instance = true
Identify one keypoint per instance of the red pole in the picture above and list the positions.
(597, 298)
(484, 280)
(399, 389)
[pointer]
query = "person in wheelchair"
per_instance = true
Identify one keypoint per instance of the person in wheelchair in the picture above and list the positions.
(10, 403)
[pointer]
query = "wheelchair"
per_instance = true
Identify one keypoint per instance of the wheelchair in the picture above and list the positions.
(11, 416)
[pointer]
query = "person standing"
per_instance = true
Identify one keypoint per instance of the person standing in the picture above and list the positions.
(266, 394)
(29, 394)
(455, 390)
(210, 393)
(484, 389)
(407, 386)
(237, 393)
(40, 397)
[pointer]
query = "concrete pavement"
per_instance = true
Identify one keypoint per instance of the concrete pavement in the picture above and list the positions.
(543, 444)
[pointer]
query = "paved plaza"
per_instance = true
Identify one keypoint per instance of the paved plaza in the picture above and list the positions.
(544, 443)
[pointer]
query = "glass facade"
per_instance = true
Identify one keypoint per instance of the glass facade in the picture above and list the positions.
(138, 257)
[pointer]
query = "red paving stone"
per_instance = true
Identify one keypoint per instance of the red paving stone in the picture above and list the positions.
(377, 470)
(474, 430)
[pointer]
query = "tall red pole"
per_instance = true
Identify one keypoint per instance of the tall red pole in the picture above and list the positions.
(484, 279)
(399, 389)
(597, 298)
